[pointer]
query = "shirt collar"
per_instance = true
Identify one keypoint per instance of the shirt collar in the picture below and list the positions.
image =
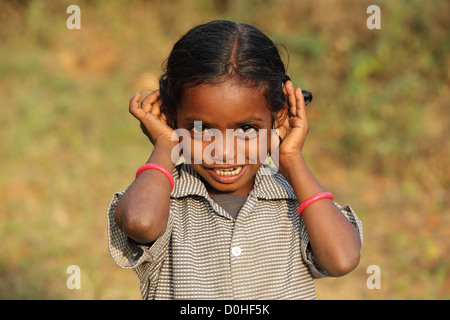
(269, 184)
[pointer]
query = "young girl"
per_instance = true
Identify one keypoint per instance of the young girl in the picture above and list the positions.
(220, 228)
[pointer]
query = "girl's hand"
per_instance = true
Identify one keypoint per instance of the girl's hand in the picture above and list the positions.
(294, 128)
(153, 121)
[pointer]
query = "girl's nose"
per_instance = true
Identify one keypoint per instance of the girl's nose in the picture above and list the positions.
(224, 149)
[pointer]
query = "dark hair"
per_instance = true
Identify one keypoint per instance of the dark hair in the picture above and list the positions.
(218, 51)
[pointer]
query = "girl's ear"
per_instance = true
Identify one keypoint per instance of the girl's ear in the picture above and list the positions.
(280, 117)
(171, 120)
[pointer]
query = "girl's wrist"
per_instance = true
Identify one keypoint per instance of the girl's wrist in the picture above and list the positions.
(297, 173)
(164, 142)
(164, 153)
(288, 163)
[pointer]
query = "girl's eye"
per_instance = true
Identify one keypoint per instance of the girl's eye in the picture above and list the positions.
(199, 129)
(247, 129)
(246, 132)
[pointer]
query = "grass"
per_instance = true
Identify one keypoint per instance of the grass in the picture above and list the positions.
(379, 132)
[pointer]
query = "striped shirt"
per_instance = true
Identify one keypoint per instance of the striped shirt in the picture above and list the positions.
(207, 254)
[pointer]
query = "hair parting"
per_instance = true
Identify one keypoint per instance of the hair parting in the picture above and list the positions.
(220, 51)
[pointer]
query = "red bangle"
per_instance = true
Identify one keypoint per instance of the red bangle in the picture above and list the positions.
(307, 202)
(159, 168)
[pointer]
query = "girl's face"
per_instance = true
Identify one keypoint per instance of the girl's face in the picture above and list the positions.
(207, 111)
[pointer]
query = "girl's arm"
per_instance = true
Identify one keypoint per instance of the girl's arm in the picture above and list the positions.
(143, 210)
(335, 243)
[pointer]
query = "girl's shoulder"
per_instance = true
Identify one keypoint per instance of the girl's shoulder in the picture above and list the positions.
(271, 184)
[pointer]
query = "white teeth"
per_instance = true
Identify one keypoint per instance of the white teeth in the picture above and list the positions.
(228, 172)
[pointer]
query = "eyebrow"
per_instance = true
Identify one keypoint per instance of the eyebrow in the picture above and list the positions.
(247, 121)
(237, 124)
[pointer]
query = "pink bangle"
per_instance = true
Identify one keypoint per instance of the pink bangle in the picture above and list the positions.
(159, 168)
(307, 202)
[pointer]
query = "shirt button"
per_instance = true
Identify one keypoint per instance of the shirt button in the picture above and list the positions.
(236, 251)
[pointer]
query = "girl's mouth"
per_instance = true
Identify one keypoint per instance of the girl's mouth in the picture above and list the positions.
(227, 175)
(228, 171)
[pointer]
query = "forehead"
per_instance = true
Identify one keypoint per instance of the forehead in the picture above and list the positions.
(223, 103)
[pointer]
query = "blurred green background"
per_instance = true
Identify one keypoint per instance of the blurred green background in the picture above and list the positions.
(379, 136)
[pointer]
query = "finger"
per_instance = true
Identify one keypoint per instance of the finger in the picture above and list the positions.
(151, 103)
(301, 106)
(291, 98)
(134, 105)
(284, 89)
